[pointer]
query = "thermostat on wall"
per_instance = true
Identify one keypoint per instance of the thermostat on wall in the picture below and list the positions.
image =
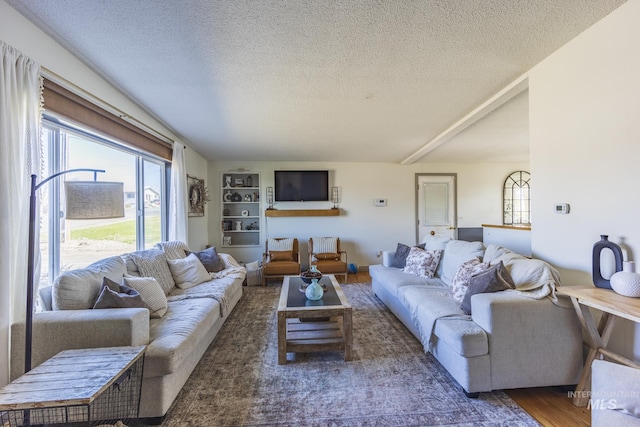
(562, 208)
(380, 202)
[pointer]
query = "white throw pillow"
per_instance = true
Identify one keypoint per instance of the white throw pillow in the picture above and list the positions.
(151, 293)
(280, 245)
(323, 245)
(422, 263)
(188, 272)
(460, 281)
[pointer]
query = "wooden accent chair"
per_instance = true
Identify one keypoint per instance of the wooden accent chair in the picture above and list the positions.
(280, 258)
(327, 256)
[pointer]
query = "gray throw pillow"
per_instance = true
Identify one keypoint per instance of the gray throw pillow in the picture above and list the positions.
(402, 252)
(495, 279)
(209, 258)
(115, 295)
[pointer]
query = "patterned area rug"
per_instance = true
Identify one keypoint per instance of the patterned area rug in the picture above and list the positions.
(390, 382)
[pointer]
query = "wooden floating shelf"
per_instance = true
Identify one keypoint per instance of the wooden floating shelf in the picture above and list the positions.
(301, 212)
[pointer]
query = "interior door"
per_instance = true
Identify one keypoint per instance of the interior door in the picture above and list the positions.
(436, 207)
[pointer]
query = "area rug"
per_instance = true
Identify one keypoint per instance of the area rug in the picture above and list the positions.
(390, 382)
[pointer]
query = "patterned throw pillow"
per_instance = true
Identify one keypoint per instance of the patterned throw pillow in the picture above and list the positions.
(460, 281)
(494, 279)
(422, 263)
(401, 254)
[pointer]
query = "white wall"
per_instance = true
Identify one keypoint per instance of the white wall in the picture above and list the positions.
(585, 149)
(363, 228)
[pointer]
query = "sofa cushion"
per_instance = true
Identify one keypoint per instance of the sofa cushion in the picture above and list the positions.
(79, 289)
(151, 293)
(464, 336)
(173, 337)
(422, 263)
(401, 254)
(279, 256)
(457, 252)
(495, 279)
(188, 272)
(394, 279)
(209, 258)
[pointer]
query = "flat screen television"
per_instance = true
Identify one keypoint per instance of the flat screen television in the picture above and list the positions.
(301, 186)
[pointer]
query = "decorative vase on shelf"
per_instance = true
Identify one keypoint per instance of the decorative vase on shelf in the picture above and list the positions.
(627, 281)
(314, 291)
(598, 247)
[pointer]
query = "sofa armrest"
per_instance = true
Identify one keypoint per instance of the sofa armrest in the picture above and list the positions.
(387, 258)
(529, 338)
(55, 331)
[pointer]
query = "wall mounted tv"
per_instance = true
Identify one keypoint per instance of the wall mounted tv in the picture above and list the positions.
(301, 186)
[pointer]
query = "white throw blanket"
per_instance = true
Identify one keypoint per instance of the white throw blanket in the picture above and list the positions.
(534, 278)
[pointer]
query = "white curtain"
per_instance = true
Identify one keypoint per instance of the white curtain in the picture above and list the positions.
(178, 196)
(20, 95)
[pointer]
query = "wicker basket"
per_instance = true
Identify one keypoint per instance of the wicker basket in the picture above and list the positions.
(254, 277)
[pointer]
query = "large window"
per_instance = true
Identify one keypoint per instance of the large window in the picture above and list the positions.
(68, 244)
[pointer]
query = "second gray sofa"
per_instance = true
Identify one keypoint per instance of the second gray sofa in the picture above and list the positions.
(512, 339)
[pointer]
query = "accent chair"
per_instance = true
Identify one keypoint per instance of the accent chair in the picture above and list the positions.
(280, 258)
(325, 253)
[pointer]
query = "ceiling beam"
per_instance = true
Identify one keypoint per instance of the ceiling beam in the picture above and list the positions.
(510, 91)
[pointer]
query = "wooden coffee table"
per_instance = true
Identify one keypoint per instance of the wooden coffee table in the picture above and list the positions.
(308, 326)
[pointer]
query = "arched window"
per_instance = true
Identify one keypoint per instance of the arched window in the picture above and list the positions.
(516, 199)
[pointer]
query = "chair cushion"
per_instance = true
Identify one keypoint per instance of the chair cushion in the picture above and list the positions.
(331, 266)
(278, 256)
(327, 256)
(281, 268)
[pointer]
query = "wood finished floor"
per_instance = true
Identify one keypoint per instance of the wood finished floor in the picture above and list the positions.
(550, 406)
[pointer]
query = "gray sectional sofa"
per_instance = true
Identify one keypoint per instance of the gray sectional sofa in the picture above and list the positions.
(525, 337)
(176, 335)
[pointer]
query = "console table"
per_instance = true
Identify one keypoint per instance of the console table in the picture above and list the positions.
(597, 337)
(77, 387)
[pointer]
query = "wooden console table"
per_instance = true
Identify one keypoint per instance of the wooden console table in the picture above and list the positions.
(597, 337)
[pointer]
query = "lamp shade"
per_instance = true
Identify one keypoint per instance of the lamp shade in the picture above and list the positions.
(94, 199)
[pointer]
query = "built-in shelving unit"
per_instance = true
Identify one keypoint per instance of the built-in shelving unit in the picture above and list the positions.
(301, 212)
(241, 213)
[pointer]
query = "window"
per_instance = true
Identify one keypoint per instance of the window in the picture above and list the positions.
(517, 199)
(69, 244)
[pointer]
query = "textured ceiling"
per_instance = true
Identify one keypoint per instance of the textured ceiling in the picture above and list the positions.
(339, 80)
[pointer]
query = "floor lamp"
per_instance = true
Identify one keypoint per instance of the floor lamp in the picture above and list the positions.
(84, 200)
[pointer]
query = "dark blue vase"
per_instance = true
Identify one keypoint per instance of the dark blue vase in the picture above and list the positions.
(604, 243)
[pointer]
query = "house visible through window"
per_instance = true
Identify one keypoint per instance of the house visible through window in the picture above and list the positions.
(517, 199)
(68, 244)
